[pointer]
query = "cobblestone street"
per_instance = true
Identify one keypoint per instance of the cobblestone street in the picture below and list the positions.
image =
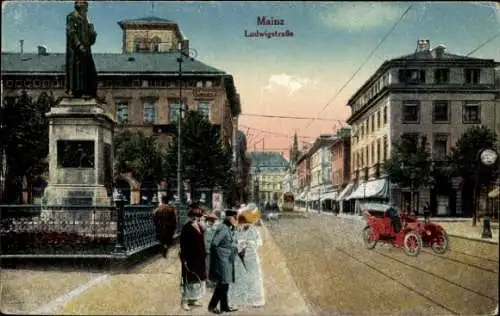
(338, 275)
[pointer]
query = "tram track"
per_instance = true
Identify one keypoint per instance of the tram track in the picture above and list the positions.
(436, 276)
(445, 257)
(419, 293)
(430, 290)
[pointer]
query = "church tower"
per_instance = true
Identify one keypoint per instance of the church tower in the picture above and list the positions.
(152, 35)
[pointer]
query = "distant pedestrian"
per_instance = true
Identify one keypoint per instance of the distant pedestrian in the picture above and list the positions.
(223, 251)
(427, 211)
(192, 254)
(165, 219)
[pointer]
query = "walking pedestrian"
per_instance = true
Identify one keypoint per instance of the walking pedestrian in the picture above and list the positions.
(192, 254)
(223, 251)
(165, 219)
(247, 289)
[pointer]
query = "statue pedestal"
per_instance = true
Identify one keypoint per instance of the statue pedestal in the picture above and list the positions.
(80, 154)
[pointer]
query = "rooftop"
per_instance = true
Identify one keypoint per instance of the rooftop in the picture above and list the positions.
(121, 63)
(274, 160)
(147, 20)
(421, 55)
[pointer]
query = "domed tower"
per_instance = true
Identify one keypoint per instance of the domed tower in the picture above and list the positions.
(151, 35)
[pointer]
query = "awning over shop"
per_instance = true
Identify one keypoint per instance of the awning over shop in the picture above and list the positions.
(372, 189)
(346, 192)
(495, 193)
(313, 197)
(300, 197)
(329, 196)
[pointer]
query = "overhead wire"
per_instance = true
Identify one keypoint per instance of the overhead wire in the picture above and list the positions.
(483, 44)
(363, 64)
(289, 117)
(275, 133)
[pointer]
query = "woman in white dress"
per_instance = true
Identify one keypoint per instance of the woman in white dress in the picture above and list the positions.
(248, 290)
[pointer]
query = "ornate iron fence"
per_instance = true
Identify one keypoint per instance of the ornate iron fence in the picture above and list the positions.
(68, 230)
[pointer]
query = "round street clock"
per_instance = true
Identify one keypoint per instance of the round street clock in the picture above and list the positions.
(488, 157)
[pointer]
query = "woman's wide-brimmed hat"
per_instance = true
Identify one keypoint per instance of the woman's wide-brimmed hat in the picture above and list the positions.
(250, 215)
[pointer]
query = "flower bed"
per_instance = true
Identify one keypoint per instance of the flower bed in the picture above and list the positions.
(53, 242)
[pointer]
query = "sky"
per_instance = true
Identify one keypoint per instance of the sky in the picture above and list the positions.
(298, 75)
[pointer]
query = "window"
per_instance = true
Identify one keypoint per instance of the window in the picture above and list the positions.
(208, 84)
(440, 111)
(204, 109)
(199, 84)
(472, 113)
(367, 153)
(471, 76)
(384, 116)
(173, 112)
(362, 130)
(385, 150)
(411, 76)
(149, 112)
(440, 147)
(361, 154)
(441, 76)
(411, 111)
(373, 123)
(378, 151)
(137, 45)
(378, 120)
(122, 112)
(374, 159)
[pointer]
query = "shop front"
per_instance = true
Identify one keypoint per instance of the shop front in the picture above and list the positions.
(370, 191)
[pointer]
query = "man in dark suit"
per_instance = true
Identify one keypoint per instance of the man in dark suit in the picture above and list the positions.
(223, 252)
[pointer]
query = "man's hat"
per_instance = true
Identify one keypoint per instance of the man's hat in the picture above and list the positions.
(211, 216)
(196, 212)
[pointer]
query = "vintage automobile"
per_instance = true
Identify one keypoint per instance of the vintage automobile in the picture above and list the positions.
(389, 225)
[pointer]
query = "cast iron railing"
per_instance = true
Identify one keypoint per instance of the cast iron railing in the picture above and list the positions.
(76, 230)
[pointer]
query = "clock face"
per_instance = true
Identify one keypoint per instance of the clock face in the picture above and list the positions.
(489, 157)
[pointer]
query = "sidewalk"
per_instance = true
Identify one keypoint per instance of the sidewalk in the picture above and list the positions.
(154, 289)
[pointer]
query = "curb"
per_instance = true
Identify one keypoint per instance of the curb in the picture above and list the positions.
(486, 241)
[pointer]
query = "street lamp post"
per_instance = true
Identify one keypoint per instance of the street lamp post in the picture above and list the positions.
(488, 157)
(180, 185)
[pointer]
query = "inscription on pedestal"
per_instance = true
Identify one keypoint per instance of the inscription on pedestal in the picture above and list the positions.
(75, 153)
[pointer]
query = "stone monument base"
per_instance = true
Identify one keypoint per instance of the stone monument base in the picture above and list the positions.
(77, 195)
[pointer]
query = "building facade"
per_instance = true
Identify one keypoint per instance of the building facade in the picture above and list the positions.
(267, 172)
(142, 86)
(429, 93)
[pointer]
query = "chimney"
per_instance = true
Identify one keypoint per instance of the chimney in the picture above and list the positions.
(42, 50)
(185, 47)
(439, 51)
(21, 46)
(423, 45)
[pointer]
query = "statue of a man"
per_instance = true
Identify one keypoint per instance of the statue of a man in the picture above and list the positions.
(81, 75)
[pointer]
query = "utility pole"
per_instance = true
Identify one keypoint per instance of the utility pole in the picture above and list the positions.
(180, 185)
